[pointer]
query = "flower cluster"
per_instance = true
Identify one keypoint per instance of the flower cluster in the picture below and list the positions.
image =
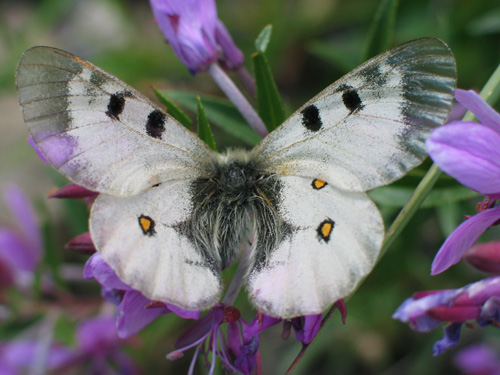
(470, 152)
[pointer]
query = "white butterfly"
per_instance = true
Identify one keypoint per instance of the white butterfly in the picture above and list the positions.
(172, 213)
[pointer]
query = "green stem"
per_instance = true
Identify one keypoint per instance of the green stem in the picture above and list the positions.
(409, 209)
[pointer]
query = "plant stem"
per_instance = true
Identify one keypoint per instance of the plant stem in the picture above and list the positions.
(232, 92)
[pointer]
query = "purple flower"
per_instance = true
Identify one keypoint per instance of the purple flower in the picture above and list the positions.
(306, 327)
(470, 152)
(238, 353)
(134, 311)
(21, 247)
(195, 33)
(100, 346)
(426, 311)
(478, 360)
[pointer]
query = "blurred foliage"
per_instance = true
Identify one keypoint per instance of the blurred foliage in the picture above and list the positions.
(314, 42)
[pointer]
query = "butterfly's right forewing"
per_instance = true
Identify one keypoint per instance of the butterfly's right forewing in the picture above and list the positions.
(98, 131)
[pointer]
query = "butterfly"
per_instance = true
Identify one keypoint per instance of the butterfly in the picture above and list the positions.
(172, 213)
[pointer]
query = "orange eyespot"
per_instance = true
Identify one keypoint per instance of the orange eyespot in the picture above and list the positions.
(147, 225)
(318, 184)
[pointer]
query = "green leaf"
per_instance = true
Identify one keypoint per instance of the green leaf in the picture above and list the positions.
(220, 112)
(396, 196)
(448, 217)
(52, 258)
(263, 39)
(381, 29)
(271, 109)
(173, 110)
(204, 131)
(344, 54)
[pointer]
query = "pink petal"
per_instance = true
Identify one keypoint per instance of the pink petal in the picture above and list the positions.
(97, 268)
(481, 109)
(485, 257)
(73, 191)
(82, 244)
(454, 313)
(469, 152)
(462, 238)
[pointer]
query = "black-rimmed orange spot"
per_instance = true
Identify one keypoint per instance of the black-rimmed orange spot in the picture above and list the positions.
(318, 184)
(325, 229)
(147, 225)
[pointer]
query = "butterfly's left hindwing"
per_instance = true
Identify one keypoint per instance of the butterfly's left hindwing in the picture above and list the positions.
(332, 241)
(140, 237)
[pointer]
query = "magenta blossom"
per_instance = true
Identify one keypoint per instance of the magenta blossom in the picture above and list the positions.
(239, 354)
(306, 327)
(426, 311)
(195, 33)
(134, 311)
(469, 152)
(21, 247)
(485, 257)
(478, 360)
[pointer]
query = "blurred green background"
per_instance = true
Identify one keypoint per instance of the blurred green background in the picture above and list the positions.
(314, 42)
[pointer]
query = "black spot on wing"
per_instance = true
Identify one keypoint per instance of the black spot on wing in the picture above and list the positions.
(156, 124)
(116, 105)
(351, 100)
(311, 118)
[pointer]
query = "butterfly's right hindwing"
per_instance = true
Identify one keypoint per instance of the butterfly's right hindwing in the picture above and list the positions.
(98, 131)
(328, 241)
(141, 238)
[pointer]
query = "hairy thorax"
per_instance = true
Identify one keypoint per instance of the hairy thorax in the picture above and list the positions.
(227, 205)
